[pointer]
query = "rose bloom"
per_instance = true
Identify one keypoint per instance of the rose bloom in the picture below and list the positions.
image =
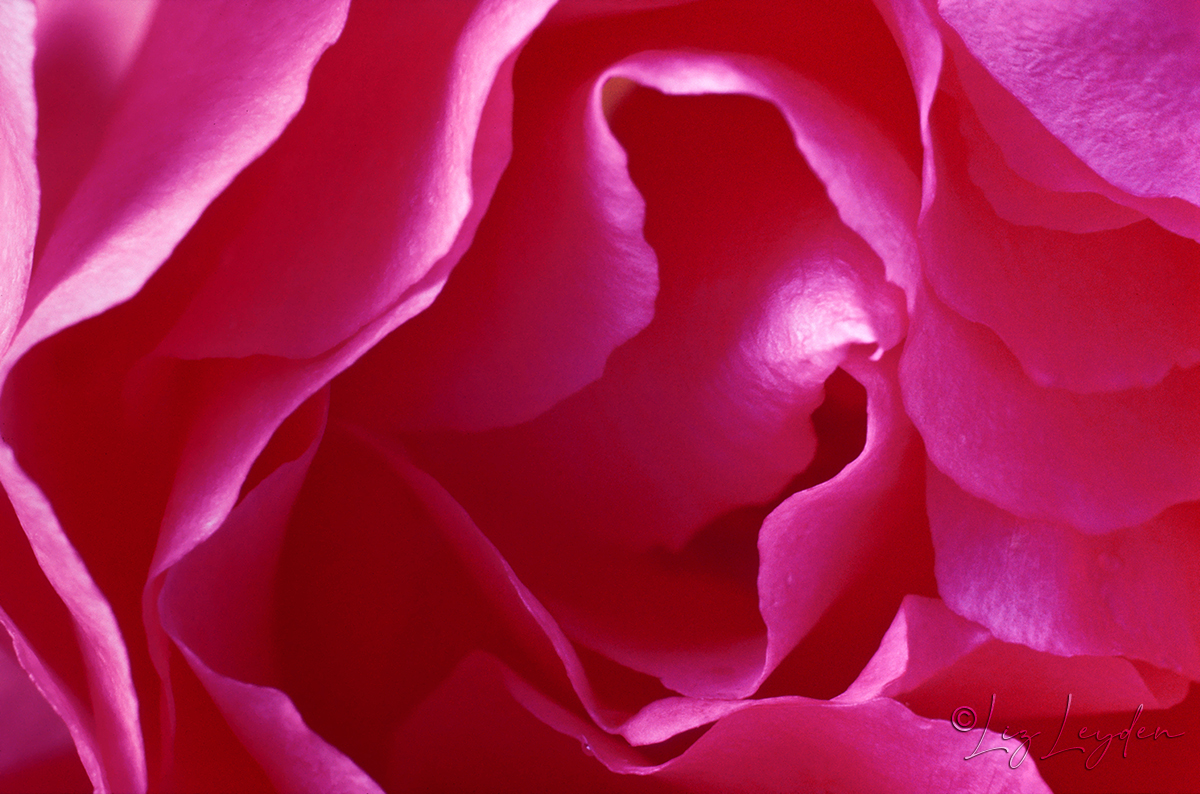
(511, 395)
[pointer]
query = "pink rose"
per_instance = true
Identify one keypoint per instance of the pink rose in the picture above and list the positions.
(519, 395)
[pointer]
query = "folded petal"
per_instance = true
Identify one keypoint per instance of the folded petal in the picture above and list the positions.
(213, 86)
(820, 539)
(85, 49)
(1130, 592)
(557, 276)
(1111, 306)
(217, 603)
(113, 699)
(385, 171)
(781, 744)
(935, 660)
(1098, 462)
(32, 733)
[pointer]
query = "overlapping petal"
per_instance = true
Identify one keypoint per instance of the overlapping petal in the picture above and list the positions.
(212, 87)
(1098, 462)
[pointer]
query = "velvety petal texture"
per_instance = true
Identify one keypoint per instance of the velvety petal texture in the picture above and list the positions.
(1106, 78)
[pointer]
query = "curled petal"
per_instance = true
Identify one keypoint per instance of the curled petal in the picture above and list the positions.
(111, 727)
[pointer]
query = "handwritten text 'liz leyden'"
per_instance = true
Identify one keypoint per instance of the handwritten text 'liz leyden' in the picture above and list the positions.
(963, 721)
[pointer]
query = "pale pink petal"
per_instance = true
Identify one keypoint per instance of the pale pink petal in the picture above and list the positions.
(1131, 592)
(385, 157)
(1095, 461)
(212, 87)
(18, 174)
(1106, 78)
(1106, 310)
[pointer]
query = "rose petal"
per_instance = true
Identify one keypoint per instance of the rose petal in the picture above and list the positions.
(1130, 592)
(388, 175)
(32, 732)
(814, 544)
(84, 51)
(1040, 158)
(1106, 310)
(1097, 461)
(934, 660)
(556, 278)
(213, 86)
(867, 181)
(1102, 78)
(118, 738)
(18, 175)
(216, 605)
(782, 744)
(473, 715)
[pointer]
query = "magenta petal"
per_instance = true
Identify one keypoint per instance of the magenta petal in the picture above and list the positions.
(875, 746)
(1131, 592)
(472, 714)
(294, 757)
(556, 278)
(217, 604)
(84, 51)
(211, 89)
(936, 660)
(781, 744)
(792, 743)
(814, 543)
(1096, 461)
(1107, 310)
(31, 731)
(1102, 79)
(870, 185)
(396, 153)
(114, 707)
(18, 174)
